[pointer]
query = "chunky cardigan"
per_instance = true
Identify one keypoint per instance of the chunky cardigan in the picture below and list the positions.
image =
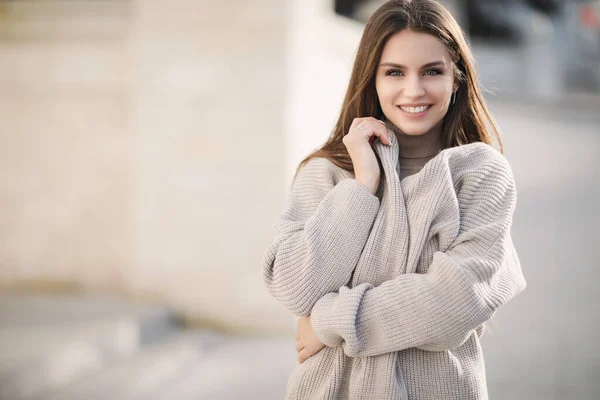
(398, 284)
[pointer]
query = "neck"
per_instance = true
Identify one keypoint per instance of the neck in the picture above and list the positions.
(418, 146)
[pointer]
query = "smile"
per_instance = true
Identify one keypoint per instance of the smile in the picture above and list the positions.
(414, 110)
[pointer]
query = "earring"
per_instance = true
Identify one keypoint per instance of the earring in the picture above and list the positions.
(453, 98)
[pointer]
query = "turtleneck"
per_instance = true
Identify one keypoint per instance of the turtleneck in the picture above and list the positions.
(415, 150)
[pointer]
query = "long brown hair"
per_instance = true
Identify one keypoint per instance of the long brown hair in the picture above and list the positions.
(466, 119)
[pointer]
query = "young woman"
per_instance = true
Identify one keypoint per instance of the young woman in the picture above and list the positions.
(394, 247)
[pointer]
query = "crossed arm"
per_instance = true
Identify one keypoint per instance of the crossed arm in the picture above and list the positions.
(436, 311)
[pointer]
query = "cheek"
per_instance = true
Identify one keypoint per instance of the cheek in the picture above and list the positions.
(439, 92)
(385, 92)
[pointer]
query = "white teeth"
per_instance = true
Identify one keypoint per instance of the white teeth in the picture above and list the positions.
(414, 110)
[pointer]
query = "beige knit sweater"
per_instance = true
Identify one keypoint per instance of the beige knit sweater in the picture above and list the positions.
(399, 284)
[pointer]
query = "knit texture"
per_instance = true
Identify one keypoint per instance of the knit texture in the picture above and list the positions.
(399, 284)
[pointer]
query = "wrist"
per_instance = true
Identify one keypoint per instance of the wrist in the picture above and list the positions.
(369, 183)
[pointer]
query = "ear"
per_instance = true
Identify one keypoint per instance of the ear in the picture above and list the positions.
(455, 87)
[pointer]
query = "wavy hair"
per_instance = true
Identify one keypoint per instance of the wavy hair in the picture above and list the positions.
(465, 121)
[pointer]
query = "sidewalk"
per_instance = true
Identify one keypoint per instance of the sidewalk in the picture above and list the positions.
(72, 347)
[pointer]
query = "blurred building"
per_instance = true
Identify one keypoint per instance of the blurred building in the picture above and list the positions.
(142, 150)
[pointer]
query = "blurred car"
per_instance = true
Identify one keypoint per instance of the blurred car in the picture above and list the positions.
(576, 31)
(582, 43)
(505, 20)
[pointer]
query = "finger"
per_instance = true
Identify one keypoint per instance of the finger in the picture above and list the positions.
(299, 346)
(384, 135)
(386, 138)
(303, 355)
(373, 119)
(355, 123)
(298, 324)
(375, 129)
(363, 121)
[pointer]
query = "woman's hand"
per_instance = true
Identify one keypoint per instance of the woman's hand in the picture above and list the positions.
(307, 343)
(358, 142)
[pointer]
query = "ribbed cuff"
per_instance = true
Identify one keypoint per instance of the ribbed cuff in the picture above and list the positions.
(334, 318)
(362, 201)
(323, 321)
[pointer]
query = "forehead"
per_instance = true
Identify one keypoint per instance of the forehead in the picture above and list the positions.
(414, 49)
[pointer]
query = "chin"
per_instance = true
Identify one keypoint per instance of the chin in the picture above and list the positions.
(412, 130)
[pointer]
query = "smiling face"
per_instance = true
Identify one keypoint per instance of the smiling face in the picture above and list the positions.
(415, 82)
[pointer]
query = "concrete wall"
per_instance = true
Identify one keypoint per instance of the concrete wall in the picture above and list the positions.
(208, 139)
(65, 144)
(321, 50)
(142, 150)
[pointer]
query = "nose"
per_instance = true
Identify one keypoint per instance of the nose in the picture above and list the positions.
(413, 86)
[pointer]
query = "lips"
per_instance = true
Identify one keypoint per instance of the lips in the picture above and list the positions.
(415, 111)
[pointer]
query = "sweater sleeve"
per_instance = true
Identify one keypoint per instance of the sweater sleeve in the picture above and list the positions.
(462, 289)
(318, 238)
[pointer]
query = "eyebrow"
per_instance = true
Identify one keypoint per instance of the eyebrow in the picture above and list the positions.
(428, 65)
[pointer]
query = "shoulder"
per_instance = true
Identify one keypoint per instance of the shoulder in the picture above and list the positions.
(313, 181)
(478, 160)
(475, 155)
(320, 172)
(481, 173)
(318, 165)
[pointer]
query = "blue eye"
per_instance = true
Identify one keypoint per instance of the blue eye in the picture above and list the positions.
(435, 72)
(393, 72)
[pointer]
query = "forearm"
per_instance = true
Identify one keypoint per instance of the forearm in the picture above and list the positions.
(308, 260)
(436, 311)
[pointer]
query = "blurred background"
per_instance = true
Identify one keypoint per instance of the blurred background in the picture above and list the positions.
(146, 150)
